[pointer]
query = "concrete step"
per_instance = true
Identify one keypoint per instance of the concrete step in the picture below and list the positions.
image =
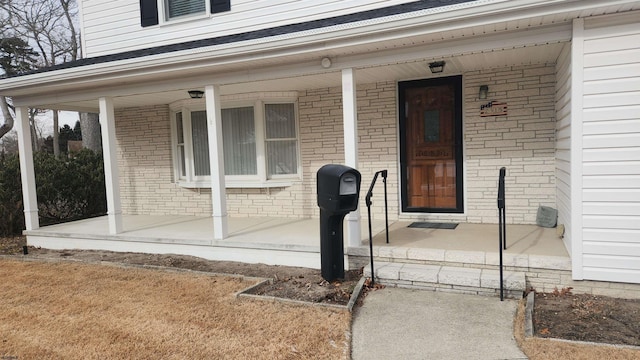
(465, 280)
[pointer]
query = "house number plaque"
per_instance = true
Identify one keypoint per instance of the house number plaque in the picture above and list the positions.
(493, 108)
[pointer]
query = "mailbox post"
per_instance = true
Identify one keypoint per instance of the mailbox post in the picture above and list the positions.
(338, 188)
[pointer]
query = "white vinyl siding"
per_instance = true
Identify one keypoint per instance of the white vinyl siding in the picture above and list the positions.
(611, 152)
(114, 26)
(563, 142)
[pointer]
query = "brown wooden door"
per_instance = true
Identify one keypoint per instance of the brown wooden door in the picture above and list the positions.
(431, 146)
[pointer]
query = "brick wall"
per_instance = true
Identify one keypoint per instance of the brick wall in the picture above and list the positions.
(146, 176)
(522, 141)
(321, 134)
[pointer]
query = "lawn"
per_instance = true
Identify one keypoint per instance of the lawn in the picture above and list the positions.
(82, 311)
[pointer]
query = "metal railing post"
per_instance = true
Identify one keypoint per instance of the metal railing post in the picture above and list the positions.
(386, 215)
(502, 226)
(386, 204)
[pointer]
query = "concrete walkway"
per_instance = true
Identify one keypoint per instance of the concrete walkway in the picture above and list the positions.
(398, 323)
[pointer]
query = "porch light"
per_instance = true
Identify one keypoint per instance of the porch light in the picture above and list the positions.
(484, 90)
(326, 62)
(196, 94)
(436, 67)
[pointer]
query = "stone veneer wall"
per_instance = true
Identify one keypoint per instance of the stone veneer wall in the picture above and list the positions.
(146, 177)
(522, 141)
(322, 141)
(144, 152)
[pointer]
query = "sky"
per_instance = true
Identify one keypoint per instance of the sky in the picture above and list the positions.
(45, 121)
(64, 118)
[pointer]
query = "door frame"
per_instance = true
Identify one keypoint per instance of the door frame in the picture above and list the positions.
(456, 81)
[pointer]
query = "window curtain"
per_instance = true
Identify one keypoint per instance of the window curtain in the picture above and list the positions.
(181, 153)
(282, 157)
(177, 8)
(200, 138)
(238, 129)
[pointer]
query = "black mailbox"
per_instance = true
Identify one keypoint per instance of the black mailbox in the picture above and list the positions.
(338, 188)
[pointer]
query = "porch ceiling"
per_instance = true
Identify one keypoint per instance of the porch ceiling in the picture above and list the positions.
(418, 69)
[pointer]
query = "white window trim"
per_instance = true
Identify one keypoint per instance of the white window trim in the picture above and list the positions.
(163, 18)
(260, 180)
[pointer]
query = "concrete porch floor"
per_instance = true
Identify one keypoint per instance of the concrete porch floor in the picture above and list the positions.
(198, 230)
(521, 239)
(294, 241)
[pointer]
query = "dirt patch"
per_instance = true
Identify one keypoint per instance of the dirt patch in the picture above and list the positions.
(537, 348)
(288, 282)
(584, 317)
(311, 287)
(12, 245)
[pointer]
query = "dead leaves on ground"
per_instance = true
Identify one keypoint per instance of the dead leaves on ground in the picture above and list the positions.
(375, 286)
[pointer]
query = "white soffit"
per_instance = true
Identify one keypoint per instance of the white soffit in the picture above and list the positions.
(456, 64)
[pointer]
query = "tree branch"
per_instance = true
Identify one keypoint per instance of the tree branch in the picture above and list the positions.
(8, 118)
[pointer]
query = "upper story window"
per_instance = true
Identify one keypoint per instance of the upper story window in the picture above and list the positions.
(179, 8)
(153, 12)
(260, 141)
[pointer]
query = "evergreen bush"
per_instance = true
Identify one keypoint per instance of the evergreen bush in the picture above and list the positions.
(11, 209)
(68, 189)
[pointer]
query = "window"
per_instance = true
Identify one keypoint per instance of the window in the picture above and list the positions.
(238, 132)
(152, 11)
(177, 8)
(260, 144)
(281, 140)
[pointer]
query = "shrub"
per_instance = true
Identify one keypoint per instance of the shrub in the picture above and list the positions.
(11, 213)
(68, 189)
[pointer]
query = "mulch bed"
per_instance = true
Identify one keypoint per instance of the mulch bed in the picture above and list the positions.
(584, 317)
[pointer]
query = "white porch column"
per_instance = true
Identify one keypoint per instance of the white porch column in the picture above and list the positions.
(27, 173)
(576, 231)
(111, 172)
(350, 122)
(216, 161)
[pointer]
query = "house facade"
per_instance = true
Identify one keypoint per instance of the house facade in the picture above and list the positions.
(442, 94)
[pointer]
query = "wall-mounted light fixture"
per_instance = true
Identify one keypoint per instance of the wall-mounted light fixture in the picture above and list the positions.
(326, 62)
(196, 94)
(436, 67)
(484, 91)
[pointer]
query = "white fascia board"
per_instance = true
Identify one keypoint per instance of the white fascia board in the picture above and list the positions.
(323, 39)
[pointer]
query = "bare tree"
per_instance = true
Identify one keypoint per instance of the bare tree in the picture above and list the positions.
(8, 117)
(93, 139)
(9, 143)
(16, 56)
(7, 124)
(51, 27)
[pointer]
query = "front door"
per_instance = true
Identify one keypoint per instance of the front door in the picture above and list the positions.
(431, 145)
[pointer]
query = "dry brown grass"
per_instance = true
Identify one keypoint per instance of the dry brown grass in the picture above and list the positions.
(82, 311)
(548, 349)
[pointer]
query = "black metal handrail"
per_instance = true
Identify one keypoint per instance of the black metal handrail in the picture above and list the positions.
(502, 225)
(386, 214)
